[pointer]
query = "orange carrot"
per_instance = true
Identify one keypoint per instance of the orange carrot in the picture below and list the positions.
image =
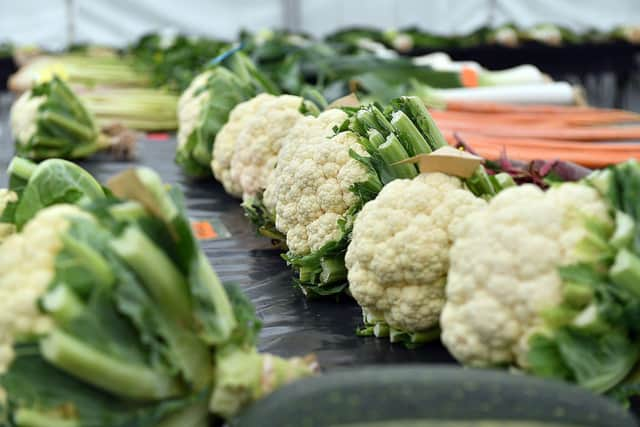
(492, 107)
(599, 133)
(591, 155)
(540, 119)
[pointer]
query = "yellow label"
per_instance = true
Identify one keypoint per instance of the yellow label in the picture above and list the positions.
(47, 72)
(447, 160)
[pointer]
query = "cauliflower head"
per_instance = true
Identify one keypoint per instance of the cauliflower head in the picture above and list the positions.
(503, 270)
(226, 139)
(24, 112)
(190, 106)
(259, 142)
(27, 266)
(398, 257)
(308, 130)
(313, 182)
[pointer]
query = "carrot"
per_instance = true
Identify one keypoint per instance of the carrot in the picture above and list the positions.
(493, 107)
(600, 133)
(540, 119)
(591, 155)
(473, 138)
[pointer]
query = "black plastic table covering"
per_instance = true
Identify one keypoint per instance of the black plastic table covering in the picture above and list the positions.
(291, 324)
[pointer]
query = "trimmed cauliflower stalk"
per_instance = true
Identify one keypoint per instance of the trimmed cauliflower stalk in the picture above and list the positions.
(27, 264)
(312, 182)
(256, 150)
(6, 197)
(398, 257)
(226, 139)
(548, 282)
(245, 376)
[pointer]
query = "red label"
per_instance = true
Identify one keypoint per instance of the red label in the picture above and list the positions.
(158, 136)
(204, 230)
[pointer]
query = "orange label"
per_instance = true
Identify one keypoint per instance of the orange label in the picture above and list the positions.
(469, 77)
(204, 230)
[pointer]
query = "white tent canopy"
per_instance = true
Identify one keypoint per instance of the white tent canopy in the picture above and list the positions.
(116, 22)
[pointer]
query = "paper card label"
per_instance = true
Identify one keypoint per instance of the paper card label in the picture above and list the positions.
(204, 230)
(209, 229)
(447, 160)
(350, 100)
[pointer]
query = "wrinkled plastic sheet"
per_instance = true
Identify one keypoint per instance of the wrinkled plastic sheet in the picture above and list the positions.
(292, 325)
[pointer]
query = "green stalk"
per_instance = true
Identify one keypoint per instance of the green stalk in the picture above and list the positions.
(424, 337)
(71, 101)
(409, 134)
(381, 330)
(624, 231)
(84, 150)
(307, 274)
(415, 109)
(62, 304)
(333, 270)
(49, 142)
(480, 183)
(392, 152)
(21, 168)
(375, 138)
(33, 418)
(381, 120)
(127, 211)
(90, 259)
(166, 208)
(138, 124)
(77, 129)
(202, 152)
(164, 281)
(504, 180)
(413, 338)
(169, 289)
(104, 371)
(196, 415)
(225, 320)
(43, 153)
(625, 272)
(366, 120)
(118, 108)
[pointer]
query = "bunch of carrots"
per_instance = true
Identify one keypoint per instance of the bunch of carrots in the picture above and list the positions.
(588, 136)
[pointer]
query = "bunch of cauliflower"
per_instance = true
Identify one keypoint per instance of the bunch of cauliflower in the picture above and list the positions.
(108, 326)
(398, 257)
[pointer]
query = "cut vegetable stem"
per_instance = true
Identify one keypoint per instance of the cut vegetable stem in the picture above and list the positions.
(392, 152)
(102, 370)
(160, 276)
